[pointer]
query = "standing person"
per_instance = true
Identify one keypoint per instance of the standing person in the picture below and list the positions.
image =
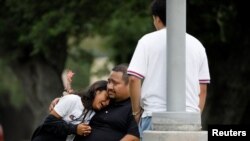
(147, 71)
(65, 119)
(115, 122)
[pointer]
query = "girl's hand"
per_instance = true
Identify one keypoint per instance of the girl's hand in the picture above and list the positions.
(70, 75)
(83, 129)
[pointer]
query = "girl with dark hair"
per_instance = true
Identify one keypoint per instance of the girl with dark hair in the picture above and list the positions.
(72, 114)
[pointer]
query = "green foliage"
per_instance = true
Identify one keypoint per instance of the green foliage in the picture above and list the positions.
(35, 26)
(81, 68)
(126, 25)
(81, 57)
(50, 26)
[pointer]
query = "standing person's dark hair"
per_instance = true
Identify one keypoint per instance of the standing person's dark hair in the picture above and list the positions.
(158, 8)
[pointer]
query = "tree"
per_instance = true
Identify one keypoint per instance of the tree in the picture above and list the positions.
(34, 46)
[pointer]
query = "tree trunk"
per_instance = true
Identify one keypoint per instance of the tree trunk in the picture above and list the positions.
(40, 78)
(41, 84)
(15, 121)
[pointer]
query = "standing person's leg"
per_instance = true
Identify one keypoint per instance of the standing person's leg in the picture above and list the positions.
(145, 124)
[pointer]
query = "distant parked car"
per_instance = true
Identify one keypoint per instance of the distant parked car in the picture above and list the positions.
(1, 133)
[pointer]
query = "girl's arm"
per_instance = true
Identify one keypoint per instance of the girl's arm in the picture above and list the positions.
(58, 126)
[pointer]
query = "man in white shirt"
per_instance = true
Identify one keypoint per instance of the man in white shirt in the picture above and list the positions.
(147, 71)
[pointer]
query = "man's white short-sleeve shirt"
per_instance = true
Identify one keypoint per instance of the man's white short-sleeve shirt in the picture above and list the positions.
(149, 64)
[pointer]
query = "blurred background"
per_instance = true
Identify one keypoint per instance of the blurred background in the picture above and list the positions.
(40, 39)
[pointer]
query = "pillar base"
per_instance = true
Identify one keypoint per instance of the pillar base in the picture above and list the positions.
(175, 136)
(176, 121)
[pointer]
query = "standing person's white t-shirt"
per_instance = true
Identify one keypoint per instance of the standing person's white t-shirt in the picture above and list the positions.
(71, 109)
(149, 64)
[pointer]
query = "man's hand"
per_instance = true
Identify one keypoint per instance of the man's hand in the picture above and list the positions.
(137, 118)
(83, 129)
(129, 137)
(137, 115)
(53, 103)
